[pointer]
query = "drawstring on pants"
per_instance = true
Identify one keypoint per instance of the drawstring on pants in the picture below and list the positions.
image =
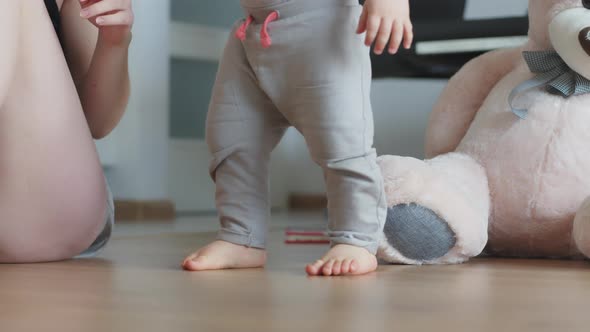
(265, 38)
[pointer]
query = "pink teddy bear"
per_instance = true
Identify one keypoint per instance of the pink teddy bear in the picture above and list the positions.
(509, 150)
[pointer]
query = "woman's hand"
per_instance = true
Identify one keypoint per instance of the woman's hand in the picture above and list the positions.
(113, 18)
(386, 21)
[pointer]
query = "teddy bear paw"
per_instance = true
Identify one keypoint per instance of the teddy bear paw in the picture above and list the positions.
(418, 233)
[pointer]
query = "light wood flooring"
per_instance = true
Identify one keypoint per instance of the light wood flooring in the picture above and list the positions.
(136, 285)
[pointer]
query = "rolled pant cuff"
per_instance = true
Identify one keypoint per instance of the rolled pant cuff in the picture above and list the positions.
(372, 247)
(246, 240)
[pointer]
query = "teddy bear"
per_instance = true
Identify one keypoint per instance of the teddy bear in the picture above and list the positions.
(508, 154)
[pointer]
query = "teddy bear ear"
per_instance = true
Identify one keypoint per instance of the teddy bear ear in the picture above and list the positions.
(586, 3)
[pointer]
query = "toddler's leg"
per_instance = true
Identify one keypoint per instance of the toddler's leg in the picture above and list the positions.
(356, 201)
(243, 127)
(333, 113)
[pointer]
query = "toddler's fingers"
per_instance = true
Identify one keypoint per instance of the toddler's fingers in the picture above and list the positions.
(363, 22)
(373, 23)
(408, 35)
(396, 37)
(383, 36)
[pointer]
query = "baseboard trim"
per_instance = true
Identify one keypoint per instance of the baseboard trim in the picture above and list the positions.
(307, 202)
(130, 211)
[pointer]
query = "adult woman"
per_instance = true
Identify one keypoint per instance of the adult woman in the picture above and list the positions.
(60, 87)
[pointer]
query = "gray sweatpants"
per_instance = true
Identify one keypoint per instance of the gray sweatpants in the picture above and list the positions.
(315, 76)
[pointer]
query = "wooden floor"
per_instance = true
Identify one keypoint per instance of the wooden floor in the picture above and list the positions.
(136, 285)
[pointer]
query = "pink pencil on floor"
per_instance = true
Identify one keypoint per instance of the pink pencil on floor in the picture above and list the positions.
(306, 236)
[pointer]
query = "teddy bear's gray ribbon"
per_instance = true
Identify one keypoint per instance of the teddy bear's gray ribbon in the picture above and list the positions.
(553, 73)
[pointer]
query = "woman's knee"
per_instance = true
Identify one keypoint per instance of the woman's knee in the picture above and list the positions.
(54, 228)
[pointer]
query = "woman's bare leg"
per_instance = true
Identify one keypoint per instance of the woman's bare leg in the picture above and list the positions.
(52, 190)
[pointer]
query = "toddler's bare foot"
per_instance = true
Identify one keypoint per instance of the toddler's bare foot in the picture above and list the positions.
(221, 255)
(344, 259)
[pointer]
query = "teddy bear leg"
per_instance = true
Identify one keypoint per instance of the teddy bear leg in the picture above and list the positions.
(581, 231)
(438, 209)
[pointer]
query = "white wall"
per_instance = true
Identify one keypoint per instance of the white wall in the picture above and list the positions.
(190, 186)
(136, 154)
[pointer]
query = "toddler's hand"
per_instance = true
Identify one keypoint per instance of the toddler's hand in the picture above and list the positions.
(386, 21)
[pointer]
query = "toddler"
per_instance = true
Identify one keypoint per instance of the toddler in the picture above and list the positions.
(301, 63)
